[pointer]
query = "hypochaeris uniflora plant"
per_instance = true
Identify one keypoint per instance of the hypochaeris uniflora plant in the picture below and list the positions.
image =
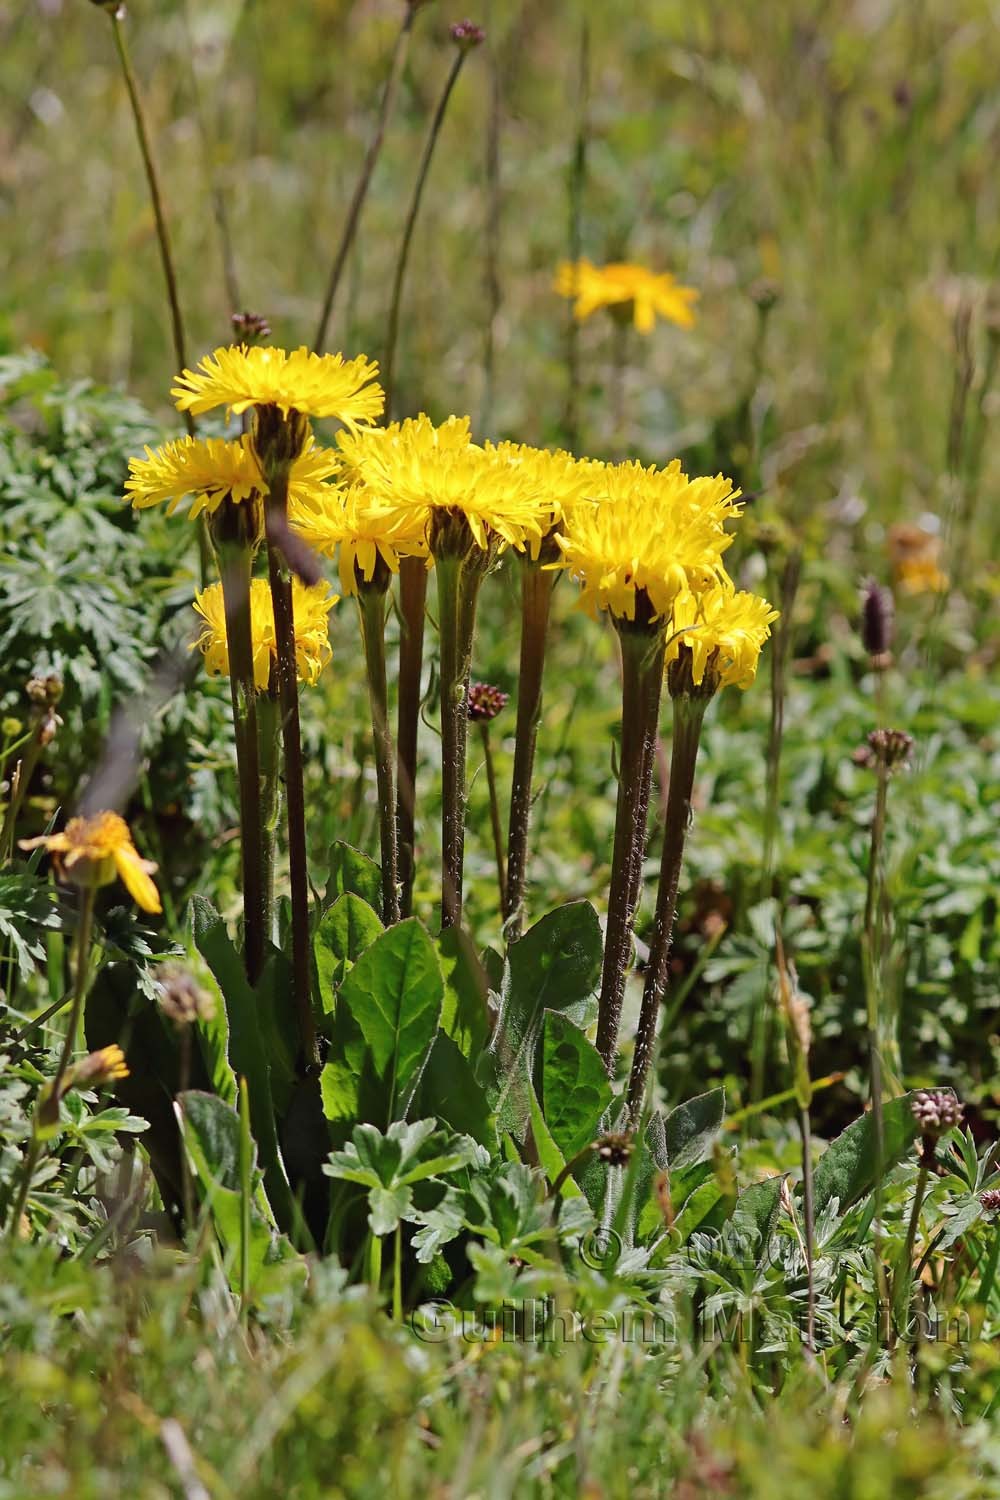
(642, 295)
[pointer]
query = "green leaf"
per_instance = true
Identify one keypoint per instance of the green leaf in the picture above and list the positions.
(690, 1129)
(465, 1014)
(846, 1170)
(389, 1164)
(575, 1086)
(450, 1089)
(395, 992)
(757, 1207)
(345, 931)
(350, 871)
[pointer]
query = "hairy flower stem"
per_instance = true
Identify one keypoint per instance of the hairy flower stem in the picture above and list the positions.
(491, 277)
(275, 519)
(371, 608)
(537, 585)
(491, 782)
(643, 647)
(459, 577)
(412, 600)
(397, 63)
(156, 198)
(577, 184)
(269, 763)
(235, 561)
(688, 715)
(872, 966)
(396, 297)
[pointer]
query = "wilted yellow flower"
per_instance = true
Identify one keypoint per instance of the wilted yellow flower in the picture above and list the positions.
(724, 631)
(360, 528)
(106, 1065)
(213, 470)
(653, 530)
(623, 284)
(92, 851)
(420, 469)
(310, 604)
(317, 385)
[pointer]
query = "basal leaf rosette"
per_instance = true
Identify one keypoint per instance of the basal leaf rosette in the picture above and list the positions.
(312, 644)
(648, 534)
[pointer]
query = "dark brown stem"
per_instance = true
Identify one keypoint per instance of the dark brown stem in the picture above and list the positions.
(288, 699)
(688, 715)
(642, 679)
(412, 600)
(536, 602)
(396, 297)
(371, 607)
(396, 65)
(492, 234)
(491, 782)
(577, 184)
(458, 589)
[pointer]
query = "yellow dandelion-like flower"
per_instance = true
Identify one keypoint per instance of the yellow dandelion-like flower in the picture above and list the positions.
(366, 446)
(310, 604)
(653, 530)
(556, 480)
(97, 1069)
(212, 470)
(723, 628)
(921, 575)
(649, 294)
(93, 851)
(360, 528)
(317, 385)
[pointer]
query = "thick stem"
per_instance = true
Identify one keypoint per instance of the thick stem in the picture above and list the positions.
(577, 184)
(371, 608)
(397, 62)
(491, 782)
(269, 758)
(688, 715)
(872, 967)
(288, 699)
(492, 228)
(392, 335)
(536, 601)
(236, 572)
(810, 1220)
(412, 599)
(458, 588)
(642, 680)
(156, 198)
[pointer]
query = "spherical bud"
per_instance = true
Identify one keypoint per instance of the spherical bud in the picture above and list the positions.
(615, 1149)
(485, 702)
(181, 997)
(765, 292)
(11, 728)
(876, 618)
(250, 325)
(890, 748)
(466, 35)
(936, 1112)
(990, 1200)
(45, 691)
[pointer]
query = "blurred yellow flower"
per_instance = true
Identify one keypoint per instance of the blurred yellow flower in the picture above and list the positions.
(311, 606)
(317, 385)
(724, 631)
(648, 294)
(915, 553)
(213, 470)
(97, 1069)
(92, 851)
(921, 575)
(651, 530)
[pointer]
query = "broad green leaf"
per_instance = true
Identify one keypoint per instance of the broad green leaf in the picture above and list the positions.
(465, 1014)
(757, 1207)
(846, 1170)
(550, 1158)
(450, 1089)
(351, 871)
(690, 1129)
(575, 1086)
(345, 931)
(395, 992)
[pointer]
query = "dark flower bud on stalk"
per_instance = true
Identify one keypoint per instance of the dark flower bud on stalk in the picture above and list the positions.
(466, 34)
(936, 1112)
(181, 997)
(990, 1200)
(876, 618)
(615, 1149)
(890, 748)
(113, 7)
(485, 702)
(765, 293)
(249, 326)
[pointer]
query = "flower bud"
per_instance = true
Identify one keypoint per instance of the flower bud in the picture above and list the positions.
(485, 702)
(466, 35)
(250, 325)
(181, 997)
(936, 1112)
(876, 618)
(615, 1149)
(990, 1200)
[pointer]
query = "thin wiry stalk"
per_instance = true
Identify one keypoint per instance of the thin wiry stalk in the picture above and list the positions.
(396, 297)
(537, 584)
(269, 761)
(576, 187)
(902, 1286)
(810, 1223)
(642, 680)
(492, 235)
(688, 715)
(397, 62)
(412, 599)
(491, 782)
(872, 963)
(156, 198)
(458, 588)
(220, 211)
(371, 608)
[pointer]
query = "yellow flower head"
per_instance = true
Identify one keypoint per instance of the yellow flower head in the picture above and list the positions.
(212, 470)
(317, 385)
(555, 479)
(724, 631)
(360, 528)
(97, 1069)
(653, 530)
(310, 604)
(93, 851)
(421, 469)
(623, 284)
